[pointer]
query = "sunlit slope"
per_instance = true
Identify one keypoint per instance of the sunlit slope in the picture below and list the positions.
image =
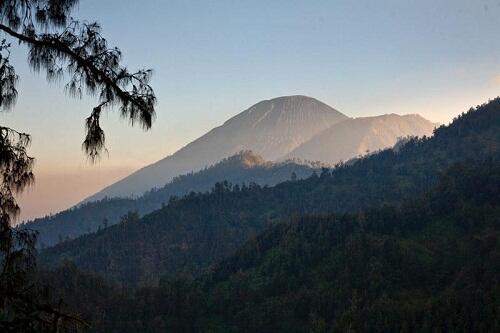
(359, 136)
(270, 128)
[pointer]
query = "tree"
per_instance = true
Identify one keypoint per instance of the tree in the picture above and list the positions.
(57, 44)
(62, 47)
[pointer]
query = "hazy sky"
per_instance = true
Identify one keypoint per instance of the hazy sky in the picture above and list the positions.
(213, 59)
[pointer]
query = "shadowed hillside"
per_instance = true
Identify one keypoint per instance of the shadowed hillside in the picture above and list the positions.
(245, 167)
(431, 265)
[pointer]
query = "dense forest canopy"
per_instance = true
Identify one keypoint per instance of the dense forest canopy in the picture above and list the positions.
(430, 264)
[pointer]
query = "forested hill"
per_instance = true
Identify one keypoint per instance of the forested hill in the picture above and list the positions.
(244, 167)
(432, 265)
(193, 233)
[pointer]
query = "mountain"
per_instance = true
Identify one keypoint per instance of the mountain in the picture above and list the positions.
(191, 234)
(284, 128)
(358, 136)
(271, 128)
(244, 167)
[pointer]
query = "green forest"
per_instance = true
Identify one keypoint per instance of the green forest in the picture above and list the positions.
(430, 264)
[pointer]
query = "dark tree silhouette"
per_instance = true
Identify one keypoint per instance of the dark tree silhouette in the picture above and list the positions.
(59, 44)
(62, 47)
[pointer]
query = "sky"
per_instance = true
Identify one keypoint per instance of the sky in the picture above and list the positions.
(214, 59)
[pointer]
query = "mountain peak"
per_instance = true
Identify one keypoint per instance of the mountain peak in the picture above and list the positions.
(282, 123)
(290, 104)
(294, 98)
(270, 128)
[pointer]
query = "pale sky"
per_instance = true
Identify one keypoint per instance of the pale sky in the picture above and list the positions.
(213, 59)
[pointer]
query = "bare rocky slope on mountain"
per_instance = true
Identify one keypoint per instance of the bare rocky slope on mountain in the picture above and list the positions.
(359, 136)
(271, 128)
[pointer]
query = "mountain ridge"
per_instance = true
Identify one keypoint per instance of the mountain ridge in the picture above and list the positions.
(276, 129)
(244, 167)
(357, 136)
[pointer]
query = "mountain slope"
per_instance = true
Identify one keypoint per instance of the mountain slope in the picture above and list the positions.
(245, 167)
(434, 263)
(191, 234)
(270, 128)
(354, 137)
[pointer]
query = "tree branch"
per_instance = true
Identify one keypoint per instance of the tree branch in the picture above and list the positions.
(99, 75)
